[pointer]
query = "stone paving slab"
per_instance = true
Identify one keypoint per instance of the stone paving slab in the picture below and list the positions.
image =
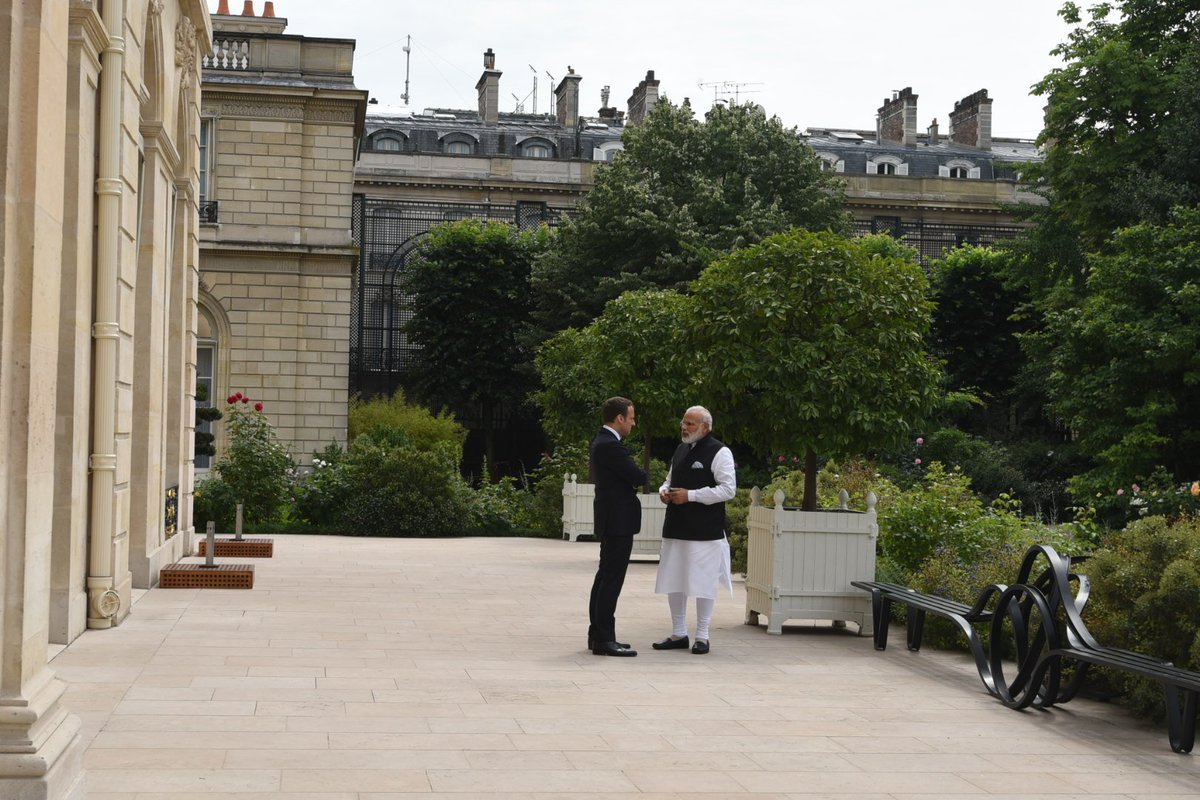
(398, 669)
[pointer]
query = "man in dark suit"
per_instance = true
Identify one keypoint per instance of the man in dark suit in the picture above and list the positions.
(618, 516)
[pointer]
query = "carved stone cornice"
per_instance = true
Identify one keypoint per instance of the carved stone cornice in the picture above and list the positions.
(329, 111)
(258, 107)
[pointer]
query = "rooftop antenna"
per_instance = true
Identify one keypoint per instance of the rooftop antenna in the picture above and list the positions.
(534, 92)
(737, 87)
(552, 84)
(520, 109)
(407, 56)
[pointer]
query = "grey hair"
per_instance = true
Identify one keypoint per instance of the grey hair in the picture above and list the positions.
(704, 415)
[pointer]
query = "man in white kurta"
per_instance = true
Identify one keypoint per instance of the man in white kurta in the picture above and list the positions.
(695, 548)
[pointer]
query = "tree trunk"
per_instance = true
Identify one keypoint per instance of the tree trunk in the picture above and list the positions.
(810, 481)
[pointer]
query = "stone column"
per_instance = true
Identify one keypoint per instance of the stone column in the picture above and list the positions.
(40, 750)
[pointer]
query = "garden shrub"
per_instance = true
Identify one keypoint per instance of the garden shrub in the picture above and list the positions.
(255, 469)
(319, 498)
(547, 485)
(936, 513)
(505, 507)
(421, 427)
(988, 465)
(403, 490)
(1146, 598)
(987, 549)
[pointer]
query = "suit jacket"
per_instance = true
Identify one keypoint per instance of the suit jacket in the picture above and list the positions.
(617, 478)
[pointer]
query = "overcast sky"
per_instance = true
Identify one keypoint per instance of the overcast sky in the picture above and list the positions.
(814, 63)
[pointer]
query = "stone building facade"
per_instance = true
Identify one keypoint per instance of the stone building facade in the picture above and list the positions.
(98, 292)
(934, 190)
(280, 131)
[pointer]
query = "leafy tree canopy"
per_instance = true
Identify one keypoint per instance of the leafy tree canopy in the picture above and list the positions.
(471, 317)
(809, 342)
(633, 349)
(1122, 131)
(682, 192)
(1125, 365)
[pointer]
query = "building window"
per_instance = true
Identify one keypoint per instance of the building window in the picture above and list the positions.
(887, 165)
(206, 128)
(959, 168)
(459, 148)
(387, 142)
(536, 150)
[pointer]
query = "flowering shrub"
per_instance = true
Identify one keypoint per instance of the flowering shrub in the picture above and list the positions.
(1159, 494)
(255, 469)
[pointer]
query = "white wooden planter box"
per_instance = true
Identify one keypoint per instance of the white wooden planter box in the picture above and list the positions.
(578, 519)
(799, 564)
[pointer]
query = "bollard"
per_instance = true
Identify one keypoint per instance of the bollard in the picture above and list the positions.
(210, 546)
(237, 527)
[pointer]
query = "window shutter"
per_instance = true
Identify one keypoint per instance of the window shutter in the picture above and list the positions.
(872, 168)
(840, 166)
(902, 169)
(973, 173)
(943, 171)
(597, 154)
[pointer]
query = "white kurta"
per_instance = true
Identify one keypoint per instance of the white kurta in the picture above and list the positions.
(697, 569)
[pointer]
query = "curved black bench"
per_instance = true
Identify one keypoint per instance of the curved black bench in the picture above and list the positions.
(1044, 607)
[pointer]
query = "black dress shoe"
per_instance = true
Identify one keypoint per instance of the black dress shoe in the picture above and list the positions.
(671, 644)
(700, 647)
(592, 644)
(612, 649)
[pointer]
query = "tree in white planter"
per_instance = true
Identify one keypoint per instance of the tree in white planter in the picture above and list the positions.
(813, 343)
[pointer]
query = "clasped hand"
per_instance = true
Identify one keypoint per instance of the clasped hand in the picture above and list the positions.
(676, 496)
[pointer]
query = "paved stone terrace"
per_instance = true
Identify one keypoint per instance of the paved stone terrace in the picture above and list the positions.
(385, 669)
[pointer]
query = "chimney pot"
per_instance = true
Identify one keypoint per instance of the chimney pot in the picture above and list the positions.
(248, 9)
(489, 59)
(223, 7)
(268, 9)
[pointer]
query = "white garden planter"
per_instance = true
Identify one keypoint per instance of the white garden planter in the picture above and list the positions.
(578, 519)
(799, 564)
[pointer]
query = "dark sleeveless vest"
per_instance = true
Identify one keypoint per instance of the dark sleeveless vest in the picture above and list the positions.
(695, 521)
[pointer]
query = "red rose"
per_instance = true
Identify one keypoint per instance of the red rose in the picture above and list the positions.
(245, 399)
(258, 406)
(231, 399)
(238, 395)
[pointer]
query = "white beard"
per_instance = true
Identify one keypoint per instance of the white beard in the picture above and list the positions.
(691, 438)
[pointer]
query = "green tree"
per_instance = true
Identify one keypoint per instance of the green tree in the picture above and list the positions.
(1122, 129)
(471, 307)
(682, 192)
(812, 343)
(633, 349)
(1125, 364)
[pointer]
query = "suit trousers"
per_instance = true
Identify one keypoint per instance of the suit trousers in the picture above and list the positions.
(606, 588)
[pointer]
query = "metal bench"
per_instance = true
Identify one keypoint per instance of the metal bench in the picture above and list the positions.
(1044, 611)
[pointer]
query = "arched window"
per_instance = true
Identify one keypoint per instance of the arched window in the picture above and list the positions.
(459, 144)
(537, 148)
(391, 142)
(959, 168)
(831, 163)
(887, 165)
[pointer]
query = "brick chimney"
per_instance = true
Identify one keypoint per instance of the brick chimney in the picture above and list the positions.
(268, 9)
(566, 99)
(223, 7)
(489, 90)
(896, 119)
(971, 121)
(248, 8)
(932, 132)
(643, 99)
